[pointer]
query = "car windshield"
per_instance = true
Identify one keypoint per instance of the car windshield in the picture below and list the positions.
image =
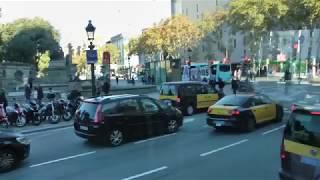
(304, 127)
(168, 90)
(224, 68)
(232, 101)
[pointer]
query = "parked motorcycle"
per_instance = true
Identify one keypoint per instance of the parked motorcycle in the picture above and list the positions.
(73, 105)
(50, 112)
(16, 116)
(4, 123)
(31, 112)
(64, 110)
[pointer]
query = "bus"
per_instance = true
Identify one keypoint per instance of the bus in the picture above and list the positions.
(200, 71)
(222, 71)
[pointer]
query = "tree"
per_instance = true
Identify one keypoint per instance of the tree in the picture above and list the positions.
(113, 50)
(81, 62)
(256, 18)
(24, 38)
(212, 21)
(43, 63)
(134, 46)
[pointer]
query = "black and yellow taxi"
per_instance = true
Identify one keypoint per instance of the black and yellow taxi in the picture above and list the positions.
(300, 148)
(188, 96)
(243, 111)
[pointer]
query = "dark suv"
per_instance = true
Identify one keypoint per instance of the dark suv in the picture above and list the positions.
(115, 118)
(14, 148)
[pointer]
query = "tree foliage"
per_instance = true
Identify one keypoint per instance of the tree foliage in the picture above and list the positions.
(43, 63)
(21, 39)
(113, 50)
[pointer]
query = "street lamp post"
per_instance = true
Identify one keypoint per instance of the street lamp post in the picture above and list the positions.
(90, 29)
(129, 68)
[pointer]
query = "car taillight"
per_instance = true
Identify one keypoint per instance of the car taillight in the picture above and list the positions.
(293, 108)
(235, 112)
(178, 99)
(99, 115)
(209, 110)
(315, 113)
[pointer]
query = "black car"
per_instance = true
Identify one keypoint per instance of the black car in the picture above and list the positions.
(115, 118)
(14, 148)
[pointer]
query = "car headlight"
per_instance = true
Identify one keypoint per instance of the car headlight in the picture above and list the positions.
(23, 140)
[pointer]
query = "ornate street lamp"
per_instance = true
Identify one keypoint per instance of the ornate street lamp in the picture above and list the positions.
(90, 29)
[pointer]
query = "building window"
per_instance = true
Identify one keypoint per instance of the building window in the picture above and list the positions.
(234, 43)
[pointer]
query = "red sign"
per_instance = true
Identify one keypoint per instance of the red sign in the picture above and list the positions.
(295, 45)
(106, 58)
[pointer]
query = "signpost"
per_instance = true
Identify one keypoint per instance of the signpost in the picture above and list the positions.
(92, 56)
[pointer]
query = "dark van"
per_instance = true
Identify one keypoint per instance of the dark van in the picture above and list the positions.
(188, 96)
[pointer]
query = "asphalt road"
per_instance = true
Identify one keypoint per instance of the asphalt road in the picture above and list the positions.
(196, 151)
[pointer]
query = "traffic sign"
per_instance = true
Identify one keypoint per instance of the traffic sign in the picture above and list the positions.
(92, 56)
(106, 58)
(301, 38)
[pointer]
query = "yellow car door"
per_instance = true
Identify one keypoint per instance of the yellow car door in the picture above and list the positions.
(258, 109)
(270, 108)
(205, 97)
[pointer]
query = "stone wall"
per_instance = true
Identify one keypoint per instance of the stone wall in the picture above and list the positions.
(13, 74)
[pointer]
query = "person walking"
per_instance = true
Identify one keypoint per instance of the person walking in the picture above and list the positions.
(3, 100)
(39, 94)
(234, 85)
(27, 92)
(133, 81)
(106, 87)
(221, 86)
(117, 80)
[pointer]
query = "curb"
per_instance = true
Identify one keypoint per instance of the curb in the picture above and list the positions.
(45, 129)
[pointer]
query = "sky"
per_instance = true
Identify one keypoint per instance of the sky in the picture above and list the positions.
(110, 17)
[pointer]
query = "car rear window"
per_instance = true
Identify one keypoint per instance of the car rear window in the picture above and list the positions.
(304, 128)
(89, 109)
(224, 68)
(168, 90)
(232, 101)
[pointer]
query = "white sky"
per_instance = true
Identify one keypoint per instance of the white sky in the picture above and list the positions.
(71, 17)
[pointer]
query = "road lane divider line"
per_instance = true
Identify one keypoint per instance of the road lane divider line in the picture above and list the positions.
(146, 173)
(274, 129)
(155, 138)
(63, 159)
(189, 120)
(224, 147)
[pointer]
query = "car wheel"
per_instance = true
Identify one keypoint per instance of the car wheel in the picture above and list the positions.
(8, 160)
(172, 126)
(21, 121)
(190, 110)
(251, 125)
(279, 114)
(115, 137)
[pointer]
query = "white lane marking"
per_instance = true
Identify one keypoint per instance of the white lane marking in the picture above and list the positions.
(146, 173)
(155, 138)
(48, 131)
(272, 130)
(189, 120)
(63, 159)
(224, 147)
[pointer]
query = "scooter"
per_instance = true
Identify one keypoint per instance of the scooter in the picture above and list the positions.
(16, 115)
(4, 123)
(64, 110)
(31, 112)
(50, 112)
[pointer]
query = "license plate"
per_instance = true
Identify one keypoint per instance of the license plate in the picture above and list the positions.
(310, 161)
(84, 128)
(218, 124)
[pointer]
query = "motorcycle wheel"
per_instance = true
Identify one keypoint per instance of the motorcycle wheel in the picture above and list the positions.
(4, 124)
(36, 121)
(67, 116)
(21, 121)
(54, 119)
